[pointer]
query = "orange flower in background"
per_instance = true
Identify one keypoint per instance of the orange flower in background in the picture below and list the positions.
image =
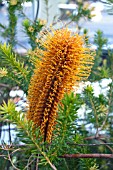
(64, 61)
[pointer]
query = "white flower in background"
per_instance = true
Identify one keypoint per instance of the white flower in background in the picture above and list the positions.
(101, 87)
(20, 93)
(98, 87)
(14, 93)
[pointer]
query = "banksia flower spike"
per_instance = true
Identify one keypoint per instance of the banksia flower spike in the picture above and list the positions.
(64, 61)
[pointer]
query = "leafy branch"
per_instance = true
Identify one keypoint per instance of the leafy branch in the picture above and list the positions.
(16, 69)
(9, 112)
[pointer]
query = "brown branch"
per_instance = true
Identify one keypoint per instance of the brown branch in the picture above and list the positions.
(29, 162)
(9, 158)
(96, 137)
(12, 147)
(102, 139)
(104, 142)
(4, 85)
(79, 155)
(92, 144)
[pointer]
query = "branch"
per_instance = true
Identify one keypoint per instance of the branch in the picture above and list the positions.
(102, 139)
(9, 158)
(107, 114)
(29, 162)
(95, 115)
(37, 11)
(92, 144)
(95, 137)
(96, 155)
(4, 85)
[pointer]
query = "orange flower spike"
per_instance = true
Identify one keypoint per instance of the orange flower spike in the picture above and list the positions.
(64, 61)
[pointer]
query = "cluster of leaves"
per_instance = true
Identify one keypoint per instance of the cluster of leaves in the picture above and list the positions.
(65, 134)
(109, 4)
(9, 31)
(32, 30)
(83, 11)
(100, 69)
(16, 69)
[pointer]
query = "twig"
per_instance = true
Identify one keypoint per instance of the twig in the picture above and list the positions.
(21, 45)
(95, 137)
(104, 142)
(101, 138)
(37, 161)
(4, 85)
(96, 155)
(103, 2)
(96, 117)
(93, 144)
(26, 16)
(9, 158)
(19, 149)
(2, 155)
(104, 122)
(43, 153)
(107, 114)
(9, 130)
(29, 162)
(37, 11)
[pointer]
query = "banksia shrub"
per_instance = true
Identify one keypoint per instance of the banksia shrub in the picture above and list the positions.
(64, 60)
